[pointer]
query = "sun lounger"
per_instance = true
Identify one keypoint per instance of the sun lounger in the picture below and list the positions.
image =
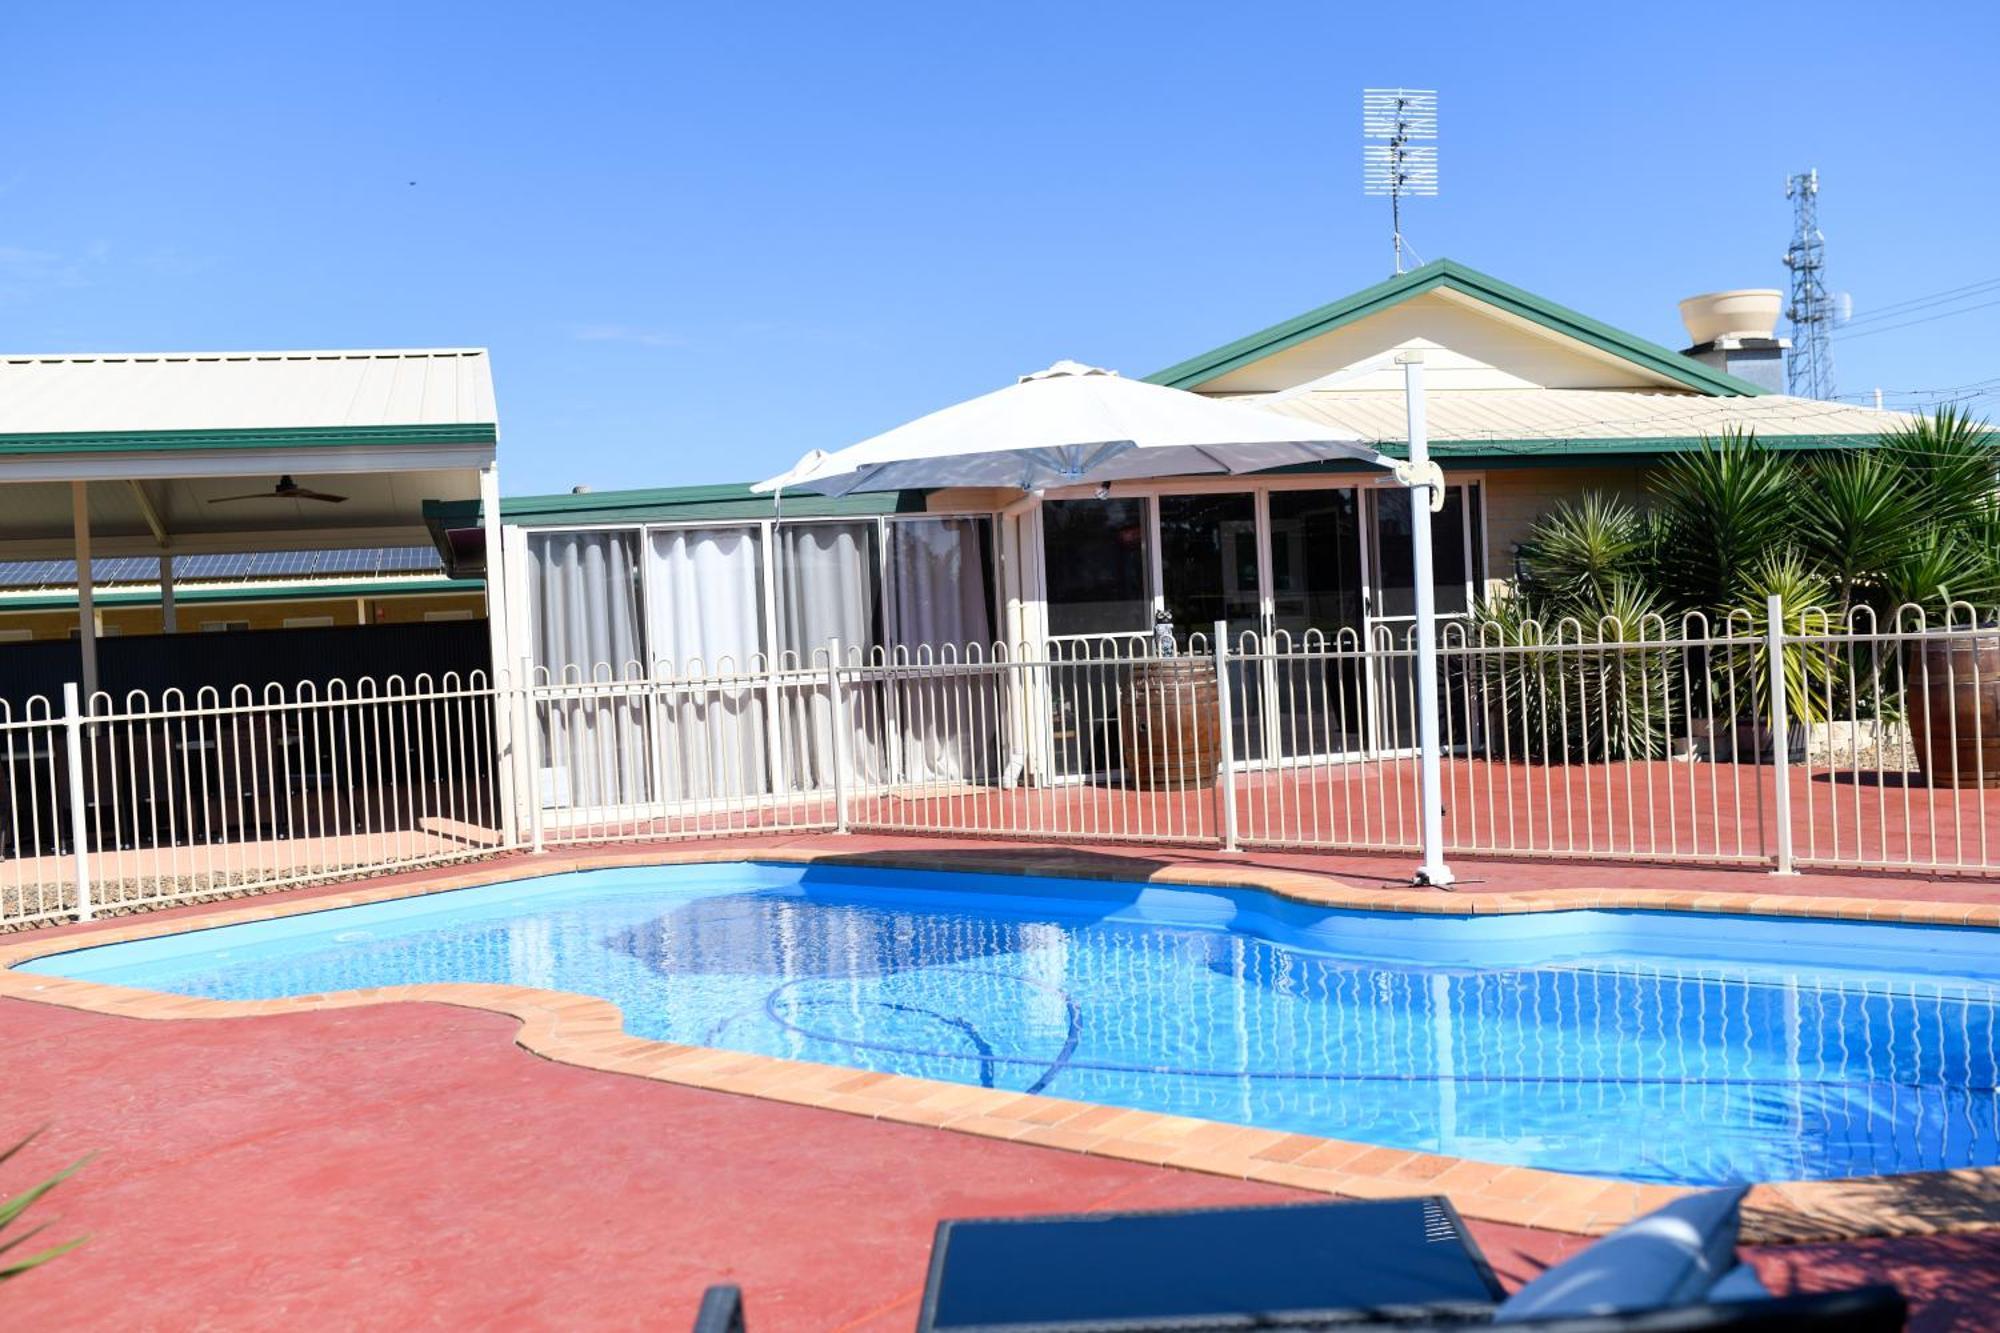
(1407, 1264)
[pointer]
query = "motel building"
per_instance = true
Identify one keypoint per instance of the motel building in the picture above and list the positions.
(293, 519)
(1529, 403)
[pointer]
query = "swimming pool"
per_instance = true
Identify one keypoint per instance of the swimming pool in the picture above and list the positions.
(1677, 1048)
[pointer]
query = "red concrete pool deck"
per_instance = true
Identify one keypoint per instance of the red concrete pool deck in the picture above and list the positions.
(406, 1166)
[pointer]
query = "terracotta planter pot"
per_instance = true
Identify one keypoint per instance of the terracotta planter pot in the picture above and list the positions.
(1953, 694)
(1171, 721)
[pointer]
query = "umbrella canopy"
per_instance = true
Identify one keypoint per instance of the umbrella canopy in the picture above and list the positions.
(1068, 425)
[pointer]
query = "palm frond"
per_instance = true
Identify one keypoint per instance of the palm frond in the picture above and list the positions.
(12, 1209)
(1722, 507)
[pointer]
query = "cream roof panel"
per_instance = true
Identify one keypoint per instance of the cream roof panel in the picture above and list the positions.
(224, 391)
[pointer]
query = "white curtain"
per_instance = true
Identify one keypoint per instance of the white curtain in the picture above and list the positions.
(829, 587)
(705, 617)
(947, 727)
(583, 610)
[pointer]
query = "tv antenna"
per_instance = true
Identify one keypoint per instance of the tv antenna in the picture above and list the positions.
(1399, 156)
(1813, 310)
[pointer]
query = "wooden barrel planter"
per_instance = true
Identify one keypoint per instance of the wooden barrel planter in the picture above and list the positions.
(1954, 706)
(1171, 723)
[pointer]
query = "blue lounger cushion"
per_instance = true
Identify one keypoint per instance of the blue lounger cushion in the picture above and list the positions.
(1674, 1256)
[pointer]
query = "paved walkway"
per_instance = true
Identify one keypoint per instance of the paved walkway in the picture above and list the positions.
(408, 1167)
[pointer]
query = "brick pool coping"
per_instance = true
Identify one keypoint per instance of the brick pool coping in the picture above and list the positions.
(588, 1032)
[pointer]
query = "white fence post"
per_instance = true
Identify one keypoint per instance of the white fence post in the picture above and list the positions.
(1781, 734)
(1225, 781)
(1426, 485)
(836, 724)
(78, 823)
(531, 759)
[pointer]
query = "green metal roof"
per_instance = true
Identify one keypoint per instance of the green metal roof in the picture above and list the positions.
(670, 504)
(1446, 273)
(262, 437)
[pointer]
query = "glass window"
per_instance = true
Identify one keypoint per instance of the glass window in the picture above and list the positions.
(1096, 557)
(829, 587)
(1208, 561)
(941, 583)
(705, 597)
(583, 603)
(1454, 560)
(1315, 561)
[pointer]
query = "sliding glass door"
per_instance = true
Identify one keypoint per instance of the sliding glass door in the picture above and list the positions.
(942, 726)
(1317, 701)
(1457, 571)
(705, 621)
(586, 617)
(1211, 570)
(1312, 573)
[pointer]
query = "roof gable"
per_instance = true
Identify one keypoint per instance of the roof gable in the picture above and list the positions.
(1586, 337)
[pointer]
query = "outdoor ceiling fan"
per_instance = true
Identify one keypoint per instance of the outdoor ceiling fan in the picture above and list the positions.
(286, 489)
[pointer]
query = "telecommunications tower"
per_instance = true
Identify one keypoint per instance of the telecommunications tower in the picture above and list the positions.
(1813, 309)
(1399, 156)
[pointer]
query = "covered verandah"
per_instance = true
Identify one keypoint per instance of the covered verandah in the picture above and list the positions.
(166, 455)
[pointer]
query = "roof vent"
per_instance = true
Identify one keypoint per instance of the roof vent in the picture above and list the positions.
(579, 490)
(1736, 332)
(1747, 312)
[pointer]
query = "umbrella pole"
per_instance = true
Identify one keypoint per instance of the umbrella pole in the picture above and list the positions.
(1425, 483)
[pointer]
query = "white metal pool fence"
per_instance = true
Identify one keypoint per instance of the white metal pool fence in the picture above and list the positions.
(1641, 740)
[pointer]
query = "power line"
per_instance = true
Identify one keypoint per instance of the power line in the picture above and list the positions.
(1921, 319)
(1916, 303)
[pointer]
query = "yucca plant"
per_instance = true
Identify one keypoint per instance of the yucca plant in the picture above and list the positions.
(1722, 508)
(1811, 668)
(11, 1211)
(1950, 461)
(1856, 516)
(1576, 552)
(1937, 565)
(1576, 681)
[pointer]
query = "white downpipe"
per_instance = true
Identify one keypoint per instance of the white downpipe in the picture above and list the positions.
(1424, 483)
(507, 759)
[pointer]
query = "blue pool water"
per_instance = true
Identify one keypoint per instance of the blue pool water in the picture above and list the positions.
(1641, 1046)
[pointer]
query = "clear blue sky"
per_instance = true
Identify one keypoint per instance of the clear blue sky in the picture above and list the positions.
(701, 239)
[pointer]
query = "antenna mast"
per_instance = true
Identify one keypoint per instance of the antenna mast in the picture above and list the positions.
(1809, 367)
(1392, 162)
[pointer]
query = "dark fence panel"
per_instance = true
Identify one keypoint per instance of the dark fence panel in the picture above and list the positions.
(154, 663)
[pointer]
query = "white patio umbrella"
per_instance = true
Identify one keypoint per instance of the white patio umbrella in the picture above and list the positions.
(1068, 425)
(1074, 424)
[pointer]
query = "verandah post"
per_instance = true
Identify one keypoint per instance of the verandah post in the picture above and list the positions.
(1781, 734)
(78, 824)
(1225, 779)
